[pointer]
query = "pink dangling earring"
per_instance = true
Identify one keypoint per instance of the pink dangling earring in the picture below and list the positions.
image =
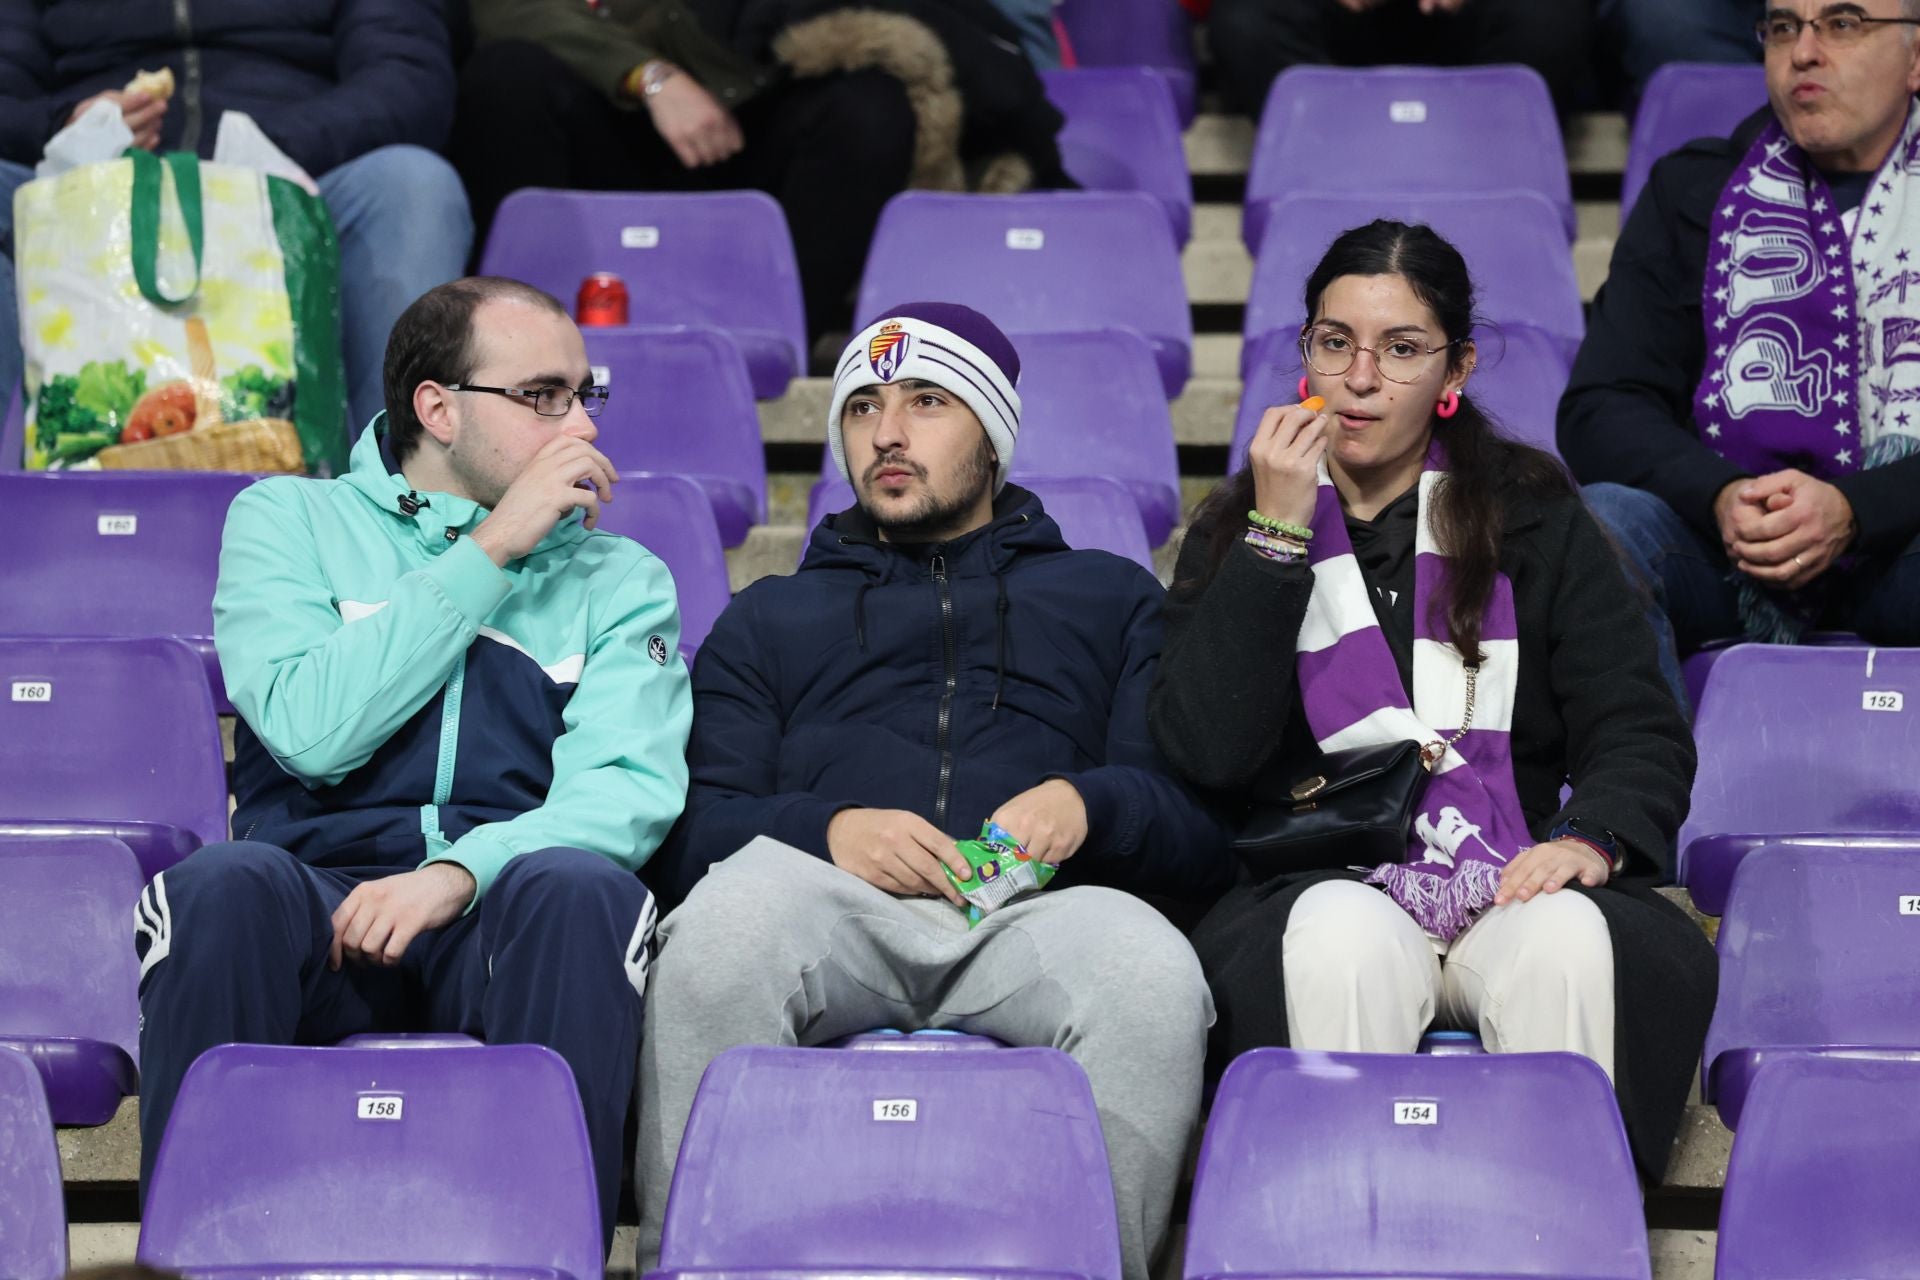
(1449, 404)
(1305, 390)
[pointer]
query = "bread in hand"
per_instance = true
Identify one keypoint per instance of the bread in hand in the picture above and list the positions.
(157, 85)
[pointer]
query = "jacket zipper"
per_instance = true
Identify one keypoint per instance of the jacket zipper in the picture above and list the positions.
(944, 734)
(190, 79)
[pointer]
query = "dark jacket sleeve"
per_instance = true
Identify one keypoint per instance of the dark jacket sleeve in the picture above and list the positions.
(1884, 511)
(27, 116)
(1146, 831)
(1630, 755)
(733, 761)
(1226, 689)
(394, 84)
(1627, 414)
(599, 49)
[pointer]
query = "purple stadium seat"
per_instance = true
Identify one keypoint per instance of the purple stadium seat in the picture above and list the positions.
(903, 1153)
(1820, 1184)
(1135, 33)
(1415, 1165)
(1047, 262)
(1518, 381)
(111, 738)
(1684, 101)
(669, 516)
(682, 403)
(1799, 741)
(116, 553)
(68, 977)
(1091, 403)
(1094, 513)
(1512, 241)
(1817, 955)
(1697, 668)
(723, 259)
(408, 1040)
(1422, 130)
(469, 1162)
(33, 1210)
(1122, 135)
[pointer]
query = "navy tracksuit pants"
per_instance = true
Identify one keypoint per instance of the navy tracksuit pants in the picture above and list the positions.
(233, 948)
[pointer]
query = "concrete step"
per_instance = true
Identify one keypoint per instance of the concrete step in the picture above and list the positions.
(1682, 1255)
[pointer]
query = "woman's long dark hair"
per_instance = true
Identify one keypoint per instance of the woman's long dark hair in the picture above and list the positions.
(1482, 466)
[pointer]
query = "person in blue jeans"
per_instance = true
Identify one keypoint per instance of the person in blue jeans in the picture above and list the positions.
(359, 95)
(1745, 409)
(1648, 34)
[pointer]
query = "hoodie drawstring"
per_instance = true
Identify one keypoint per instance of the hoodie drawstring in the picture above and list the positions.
(999, 638)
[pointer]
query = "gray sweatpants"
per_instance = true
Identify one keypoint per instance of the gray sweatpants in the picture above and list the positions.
(778, 947)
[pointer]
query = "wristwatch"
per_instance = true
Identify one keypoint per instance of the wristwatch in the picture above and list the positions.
(654, 74)
(1596, 837)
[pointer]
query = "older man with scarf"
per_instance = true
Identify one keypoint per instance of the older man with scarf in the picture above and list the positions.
(1745, 411)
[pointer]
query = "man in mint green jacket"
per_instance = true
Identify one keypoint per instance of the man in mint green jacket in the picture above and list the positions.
(463, 719)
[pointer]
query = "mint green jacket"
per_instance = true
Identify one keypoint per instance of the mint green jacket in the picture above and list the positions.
(403, 700)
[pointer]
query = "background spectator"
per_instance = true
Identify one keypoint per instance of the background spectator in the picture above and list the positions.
(1648, 34)
(1255, 40)
(831, 111)
(1754, 448)
(356, 93)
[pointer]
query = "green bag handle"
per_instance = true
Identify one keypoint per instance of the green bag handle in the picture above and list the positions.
(146, 218)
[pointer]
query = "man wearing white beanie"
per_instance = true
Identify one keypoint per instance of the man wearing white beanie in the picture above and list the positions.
(940, 659)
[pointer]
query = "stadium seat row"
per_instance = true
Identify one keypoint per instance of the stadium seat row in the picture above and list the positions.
(285, 1161)
(1807, 850)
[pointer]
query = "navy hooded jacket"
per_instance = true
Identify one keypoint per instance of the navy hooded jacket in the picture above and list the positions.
(943, 679)
(327, 80)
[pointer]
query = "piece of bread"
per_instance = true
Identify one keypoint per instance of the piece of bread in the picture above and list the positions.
(155, 84)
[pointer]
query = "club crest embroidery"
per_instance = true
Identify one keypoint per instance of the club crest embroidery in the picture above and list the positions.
(657, 649)
(888, 351)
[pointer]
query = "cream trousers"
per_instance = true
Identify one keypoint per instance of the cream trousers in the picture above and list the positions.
(1363, 977)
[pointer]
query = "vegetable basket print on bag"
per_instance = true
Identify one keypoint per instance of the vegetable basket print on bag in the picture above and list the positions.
(179, 316)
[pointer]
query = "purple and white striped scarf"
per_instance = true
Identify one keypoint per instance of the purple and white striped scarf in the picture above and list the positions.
(1469, 825)
(1812, 327)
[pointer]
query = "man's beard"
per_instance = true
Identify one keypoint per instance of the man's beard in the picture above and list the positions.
(934, 517)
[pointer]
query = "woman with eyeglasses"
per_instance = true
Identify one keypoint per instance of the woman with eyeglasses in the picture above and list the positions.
(1388, 569)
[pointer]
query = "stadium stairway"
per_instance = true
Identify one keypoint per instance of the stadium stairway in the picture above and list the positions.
(101, 1165)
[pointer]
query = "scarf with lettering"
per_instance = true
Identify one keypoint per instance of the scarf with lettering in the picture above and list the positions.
(1813, 334)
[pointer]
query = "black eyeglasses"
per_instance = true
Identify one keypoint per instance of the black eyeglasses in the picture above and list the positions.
(548, 402)
(1835, 29)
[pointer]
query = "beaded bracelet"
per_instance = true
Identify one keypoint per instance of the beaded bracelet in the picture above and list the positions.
(1286, 541)
(1268, 523)
(1284, 550)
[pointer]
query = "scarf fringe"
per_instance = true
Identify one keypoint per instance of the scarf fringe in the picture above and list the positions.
(1442, 905)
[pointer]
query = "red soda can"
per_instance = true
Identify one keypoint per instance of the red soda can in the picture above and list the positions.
(602, 301)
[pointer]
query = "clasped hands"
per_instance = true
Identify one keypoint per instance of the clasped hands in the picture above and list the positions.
(1784, 529)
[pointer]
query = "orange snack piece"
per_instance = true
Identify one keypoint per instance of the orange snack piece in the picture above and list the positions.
(1313, 403)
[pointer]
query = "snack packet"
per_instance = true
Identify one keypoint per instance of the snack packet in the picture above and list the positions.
(1002, 871)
